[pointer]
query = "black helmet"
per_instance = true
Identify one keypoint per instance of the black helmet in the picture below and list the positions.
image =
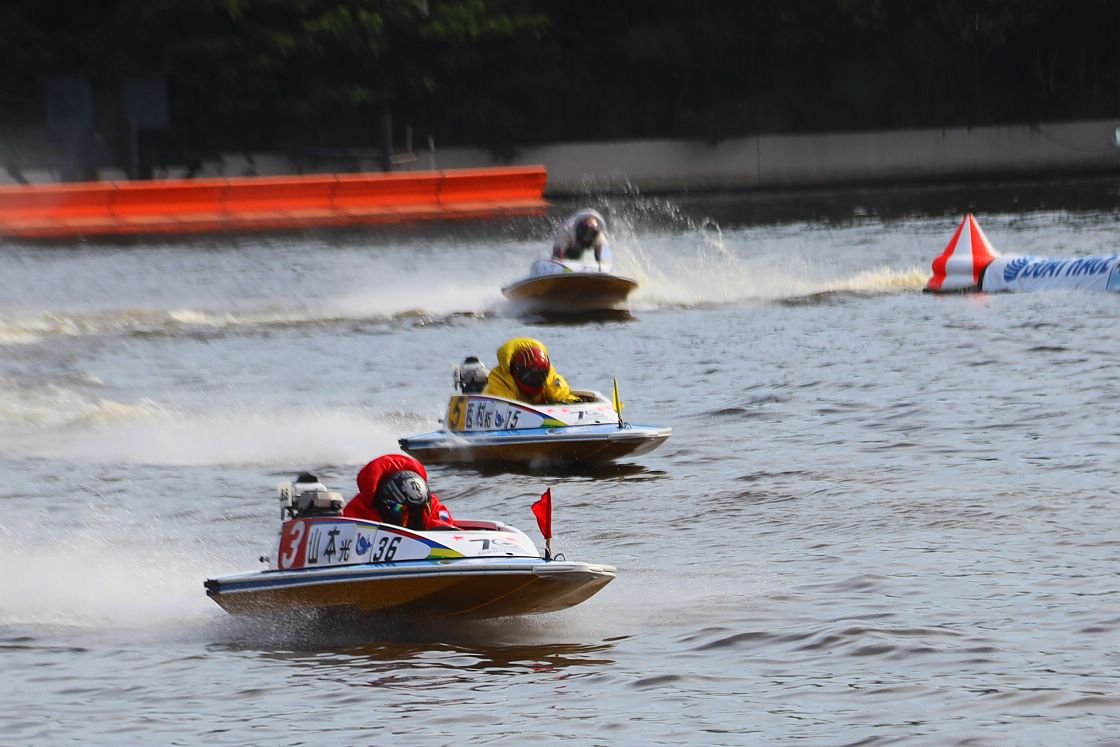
(400, 490)
(587, 230)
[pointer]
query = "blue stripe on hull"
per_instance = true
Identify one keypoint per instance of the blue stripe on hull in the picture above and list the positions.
(371, 572)
(557, 434)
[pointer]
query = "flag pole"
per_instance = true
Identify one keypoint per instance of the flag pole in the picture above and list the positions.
(542, 509)
(618, 404)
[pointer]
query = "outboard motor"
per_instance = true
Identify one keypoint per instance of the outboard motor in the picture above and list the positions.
(306, 496)
(471, 375)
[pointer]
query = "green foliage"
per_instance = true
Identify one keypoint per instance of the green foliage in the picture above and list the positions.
(303, 74)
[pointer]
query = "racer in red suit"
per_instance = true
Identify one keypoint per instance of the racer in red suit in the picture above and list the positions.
(394, 489)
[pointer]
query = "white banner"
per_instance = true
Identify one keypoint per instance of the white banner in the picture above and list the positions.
(1033, 273)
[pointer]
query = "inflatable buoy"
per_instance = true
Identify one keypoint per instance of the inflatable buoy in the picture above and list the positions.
(969, 263)
(961, 265)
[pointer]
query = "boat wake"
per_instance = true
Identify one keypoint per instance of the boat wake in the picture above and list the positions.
(208, 324)
(696, 263)
(678, 261)
(769, 286)
(93, 430)
(104, 575)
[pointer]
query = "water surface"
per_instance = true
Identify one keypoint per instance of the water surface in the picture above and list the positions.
(883, 516)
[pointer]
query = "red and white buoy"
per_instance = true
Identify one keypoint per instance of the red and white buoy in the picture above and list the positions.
(969, 263)
(960, 266)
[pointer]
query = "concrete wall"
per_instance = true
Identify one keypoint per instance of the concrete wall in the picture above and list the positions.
(767, 161)
(771, 161)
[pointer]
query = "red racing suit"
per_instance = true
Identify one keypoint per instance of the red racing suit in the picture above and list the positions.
(364, 504)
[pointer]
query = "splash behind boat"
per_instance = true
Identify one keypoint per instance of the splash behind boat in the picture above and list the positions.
(565, 287)
(484, 428)
(478, 570)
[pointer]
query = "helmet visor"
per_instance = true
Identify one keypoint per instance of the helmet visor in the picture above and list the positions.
(533, 377)
(391, 511)
(530, 370)
(404, 488)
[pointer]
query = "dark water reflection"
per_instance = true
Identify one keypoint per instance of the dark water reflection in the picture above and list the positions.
(592, 471)
(601, 316)
(436, 653)
(1089, 194)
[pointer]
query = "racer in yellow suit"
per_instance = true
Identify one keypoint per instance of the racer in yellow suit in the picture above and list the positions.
(525, 373)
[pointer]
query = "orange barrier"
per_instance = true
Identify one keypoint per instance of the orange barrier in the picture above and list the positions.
(200, 205)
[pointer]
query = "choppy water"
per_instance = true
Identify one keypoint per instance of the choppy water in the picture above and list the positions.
(883, 517)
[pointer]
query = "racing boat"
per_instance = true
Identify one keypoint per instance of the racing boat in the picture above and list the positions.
(485, 428)
(325, 561)
(559, 286)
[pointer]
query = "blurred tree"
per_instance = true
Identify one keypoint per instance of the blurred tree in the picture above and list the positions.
(294, 74)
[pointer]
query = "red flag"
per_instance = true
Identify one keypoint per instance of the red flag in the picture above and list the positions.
(542, 509)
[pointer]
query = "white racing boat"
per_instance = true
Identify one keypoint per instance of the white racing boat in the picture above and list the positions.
(564, 287)
(325, 561)
(484, 428)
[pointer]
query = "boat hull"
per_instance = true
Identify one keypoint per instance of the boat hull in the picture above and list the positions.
(571, 292)
(463, 588)
(563, 446)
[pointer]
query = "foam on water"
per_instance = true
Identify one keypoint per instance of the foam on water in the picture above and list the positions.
(107, 573)
(113, 571)
(700, 263)
(883, 279)
(105, 431)
(256, 286)
(417, 297)
(51, 405)
(253, 284)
